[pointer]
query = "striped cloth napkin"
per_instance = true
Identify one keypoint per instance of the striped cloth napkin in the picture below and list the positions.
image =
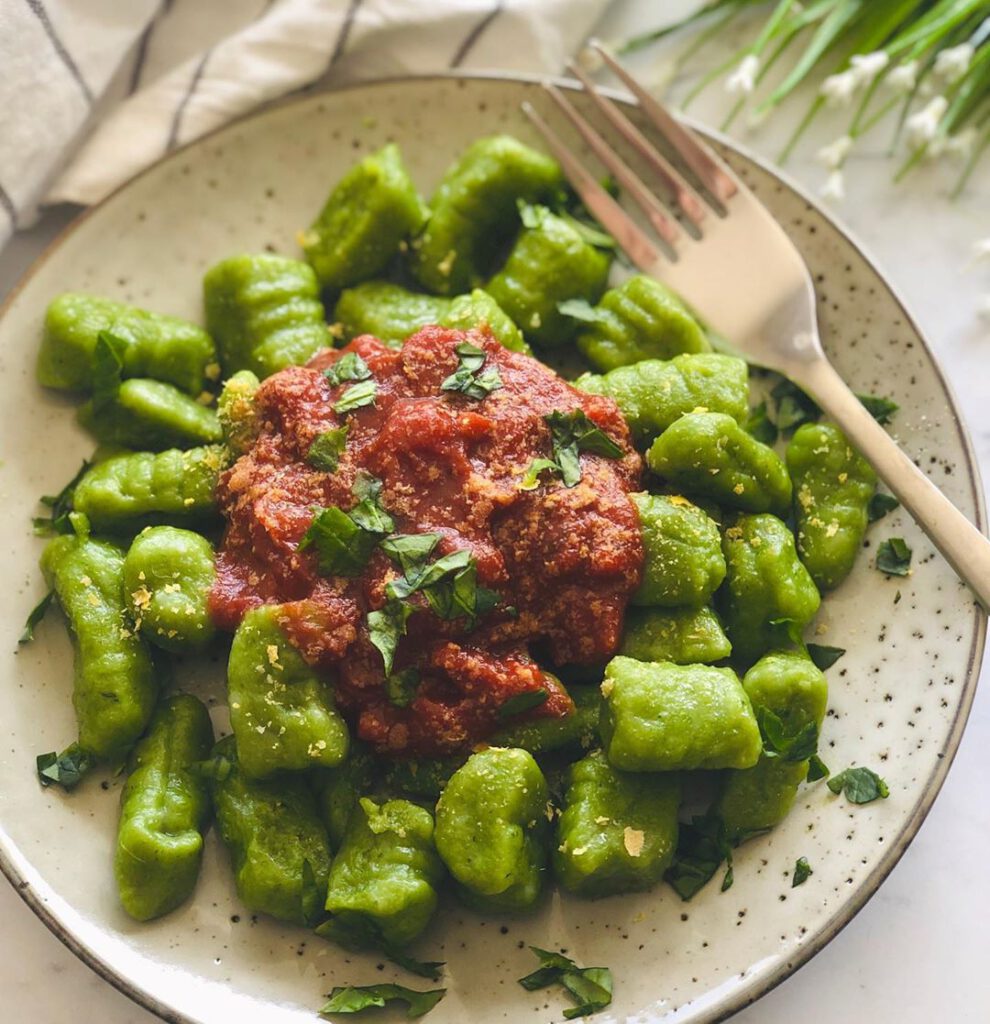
(92, 91)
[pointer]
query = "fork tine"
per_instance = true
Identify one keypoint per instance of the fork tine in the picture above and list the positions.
(696, 154)
(687, 199)
(627, 234)
(666, 228)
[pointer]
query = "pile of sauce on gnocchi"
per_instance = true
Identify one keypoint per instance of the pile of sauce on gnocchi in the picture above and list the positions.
(453, 547)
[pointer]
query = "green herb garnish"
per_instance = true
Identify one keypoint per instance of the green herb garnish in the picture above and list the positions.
(410, 551)
(591, 987)
(354, 999)
(702, 846)
(824, 656)
(759, 425)
(778, 743)
(572, 433)
(36, 615)
(60, 505)
(860, 785)
(880, 505)
(520, 702)
(325, 451)
(356, 397)
(802, 871)
(470, 378)
(350, 366)
(817, 769)
(580, 309)
(881, 409)
(66, 769)
(385, 627)
(793, 407)
(107, 367)
(894, 557)
(342, 546)
(400, 687)
(531, 478)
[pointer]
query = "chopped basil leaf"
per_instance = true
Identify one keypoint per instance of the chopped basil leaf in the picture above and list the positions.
(457, 595)
(824, 656)
(400, 687)
(793, 407)
(343, 546)
(881, 409)
(356, 397)
(107, 367)
(428, 575)
(385, 627)
(572, 433)
(894, 557)
(759, 425)
(520, 702)
(580, 309)
(802, 871)
(354, 999)
(702, 846)
(325, 451)
(860, 785)
(880, 505)
(789, 628)
(778, 744)
(66, 769)
(727, 879)
(366, 486)
(410, 550)
(361, 933)
(37, 614)
(423, 968)
(591, 987)
(469, 378)
(60, 505)
(817, 769)
(370, 516)
(531, 478)
(350, 366)
(530, 215)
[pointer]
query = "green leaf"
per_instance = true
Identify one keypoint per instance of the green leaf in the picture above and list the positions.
(400, 687)
(370, 516)
(60, 505)
(580, 309)
(727, 879)
(521, 702)
(591, 987)
(342, 545)
(881, 409)
(777, 743)
(410, 550)
(824, 656)
(793, 407)
(350, 366)
(531, 216)
(36, 615)
(802, 871)
(354, 999)
(817, 769)
(107, 366)
(356, 397)
(66, 769)
(325, 451)
(469, 378)
(702, 846)
(894, 557)
(860, 785)
(572, 433)
(531, 478)
(759, 425)
(385, 627)
(423, 968)
(880, 505)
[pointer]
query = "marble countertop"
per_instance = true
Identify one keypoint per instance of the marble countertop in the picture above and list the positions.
(917, 951)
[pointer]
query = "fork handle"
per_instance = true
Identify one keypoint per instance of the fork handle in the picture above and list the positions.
(965, 548)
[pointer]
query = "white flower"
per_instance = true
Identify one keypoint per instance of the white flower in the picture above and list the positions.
(833, 156)
(866, 66)
(959, 145)
(838, 89)
(922, 125)
(953, 62)
(743, 79)
(902, 79)
(835, 186)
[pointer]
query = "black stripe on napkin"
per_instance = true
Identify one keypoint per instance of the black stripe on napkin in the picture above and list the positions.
(474, 35)
(59, 46)
(344, 34)
(173, 132)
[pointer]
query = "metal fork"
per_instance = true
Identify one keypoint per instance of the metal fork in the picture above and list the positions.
(733, 263)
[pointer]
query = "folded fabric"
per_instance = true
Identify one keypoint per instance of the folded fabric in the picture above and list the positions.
(92, 91)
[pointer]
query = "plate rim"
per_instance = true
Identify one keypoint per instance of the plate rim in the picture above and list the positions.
(37, 897)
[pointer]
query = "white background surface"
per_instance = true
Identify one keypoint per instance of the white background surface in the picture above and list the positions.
(917, 952)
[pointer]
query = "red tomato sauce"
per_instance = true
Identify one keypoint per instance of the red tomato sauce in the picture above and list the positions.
(563, 560)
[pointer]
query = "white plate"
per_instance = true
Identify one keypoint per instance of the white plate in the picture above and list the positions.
(899, 698)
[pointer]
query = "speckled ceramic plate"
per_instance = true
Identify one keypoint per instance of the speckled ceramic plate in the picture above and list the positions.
(899, 698)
